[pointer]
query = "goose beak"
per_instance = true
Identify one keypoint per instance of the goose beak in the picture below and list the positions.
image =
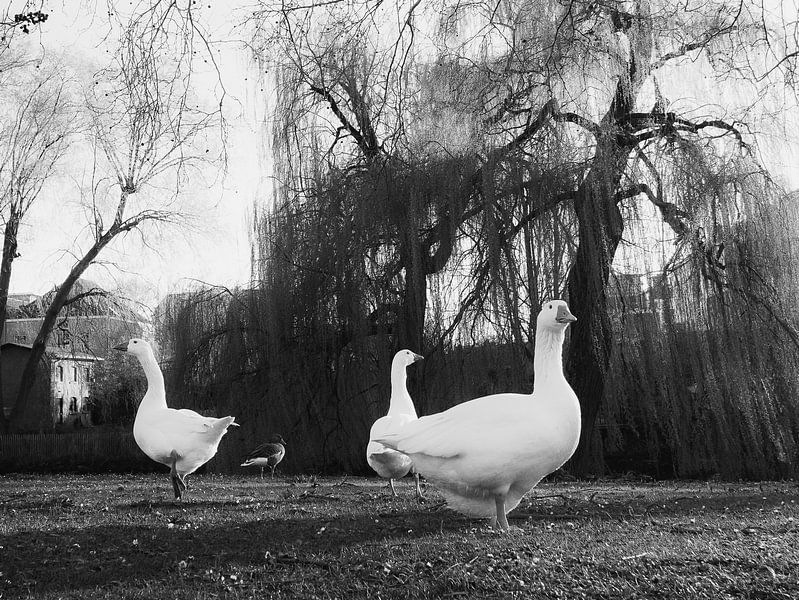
(565, 316)
(121, 347)
(417, 357)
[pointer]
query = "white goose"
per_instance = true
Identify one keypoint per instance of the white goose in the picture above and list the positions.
(389, 463)
(487, 453)
(181, 439)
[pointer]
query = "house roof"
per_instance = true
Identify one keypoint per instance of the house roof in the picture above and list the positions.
(56, 352)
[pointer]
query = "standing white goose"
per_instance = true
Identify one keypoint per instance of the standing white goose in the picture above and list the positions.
(181, 439)
(389, 463)
(487, 453)
(268, 454)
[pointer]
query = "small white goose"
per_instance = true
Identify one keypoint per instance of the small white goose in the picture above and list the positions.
(181, 439)
(386, 462)
(268, 454)
(485, 454)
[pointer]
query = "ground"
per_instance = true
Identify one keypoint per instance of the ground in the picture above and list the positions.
(121, 536)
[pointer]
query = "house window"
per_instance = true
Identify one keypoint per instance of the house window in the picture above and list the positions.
(87, 372)
(73, 405)
(74, 373)
(60, 373)
(63, 338)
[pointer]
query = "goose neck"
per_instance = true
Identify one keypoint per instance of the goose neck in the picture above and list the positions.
(548, 360)
(156, 392)
(400, 398)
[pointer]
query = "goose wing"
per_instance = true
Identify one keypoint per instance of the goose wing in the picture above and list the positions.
(267, 450)
(458, 430)
(181, 422)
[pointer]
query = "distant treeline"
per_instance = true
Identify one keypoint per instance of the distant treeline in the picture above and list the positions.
(704, 378)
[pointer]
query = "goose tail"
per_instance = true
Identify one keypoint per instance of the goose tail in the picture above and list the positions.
(220, 426)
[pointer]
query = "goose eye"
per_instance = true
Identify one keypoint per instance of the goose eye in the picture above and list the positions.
(550, 307)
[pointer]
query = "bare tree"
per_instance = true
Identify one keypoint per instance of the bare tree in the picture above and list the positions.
(149, 129)
(40, 125)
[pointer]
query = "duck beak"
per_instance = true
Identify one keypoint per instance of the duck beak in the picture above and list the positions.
(564, 316)
(417, 357)
(121, 347)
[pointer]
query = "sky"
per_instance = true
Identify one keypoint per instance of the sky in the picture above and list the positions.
(214, 249)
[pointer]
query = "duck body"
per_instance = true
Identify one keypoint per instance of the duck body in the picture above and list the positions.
(502, 444)
(181, 439)
(268, 454)
(486, 454)
(388, 462)
(193, 437)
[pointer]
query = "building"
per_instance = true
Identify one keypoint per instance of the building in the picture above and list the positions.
(80, 340)
(61, 392)
(93, 335)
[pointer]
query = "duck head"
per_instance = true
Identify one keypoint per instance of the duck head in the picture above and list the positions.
(555, 315)
(406, 357)
(135, 346)
(276, 438)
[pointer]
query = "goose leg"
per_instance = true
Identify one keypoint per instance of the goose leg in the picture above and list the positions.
(501, 518)
(273, 472)
(262, 472)
(178, 484)
(391, 483)
(419, 496)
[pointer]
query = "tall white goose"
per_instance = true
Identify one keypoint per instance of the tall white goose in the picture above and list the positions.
(485, 454)
(389, 463)
(181, 439)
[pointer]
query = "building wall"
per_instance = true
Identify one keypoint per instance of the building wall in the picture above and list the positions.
(69, 384)
(37, 414)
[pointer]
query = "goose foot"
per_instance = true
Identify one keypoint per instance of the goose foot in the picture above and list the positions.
(178, 483)
(419, 496)
(501, 519)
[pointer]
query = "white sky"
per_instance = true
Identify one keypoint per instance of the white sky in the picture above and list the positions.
(216, 249)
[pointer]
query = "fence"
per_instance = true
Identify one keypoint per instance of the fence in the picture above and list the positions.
(89, 451)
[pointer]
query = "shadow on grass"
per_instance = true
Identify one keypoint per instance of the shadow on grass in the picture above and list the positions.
(68, 559)
(287, 531)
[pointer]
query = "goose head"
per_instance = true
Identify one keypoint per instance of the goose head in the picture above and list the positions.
(276, 438)
(406, 357)
(136, 346)
(555, 315)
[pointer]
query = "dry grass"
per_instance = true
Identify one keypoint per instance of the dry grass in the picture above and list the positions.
(120, 536)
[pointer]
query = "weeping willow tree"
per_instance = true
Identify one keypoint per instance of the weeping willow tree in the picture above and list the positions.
(444, 167)
(704, 369)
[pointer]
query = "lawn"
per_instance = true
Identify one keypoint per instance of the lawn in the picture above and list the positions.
(121, 536)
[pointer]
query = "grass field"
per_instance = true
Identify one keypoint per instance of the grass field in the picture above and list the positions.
(121, 536)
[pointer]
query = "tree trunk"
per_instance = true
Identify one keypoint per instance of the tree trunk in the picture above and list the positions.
(50, 317)
(591, 336)
(600, 227)
(9, 254)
